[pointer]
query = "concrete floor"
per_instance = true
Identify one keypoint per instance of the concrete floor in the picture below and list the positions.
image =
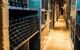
(59, 37)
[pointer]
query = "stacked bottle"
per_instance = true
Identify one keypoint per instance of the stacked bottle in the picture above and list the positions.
(21, 28)
(18, 3)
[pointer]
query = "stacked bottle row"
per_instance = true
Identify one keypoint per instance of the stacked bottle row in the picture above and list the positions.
(21, 28)
(78, 20)
(18, 3)
(78, 29)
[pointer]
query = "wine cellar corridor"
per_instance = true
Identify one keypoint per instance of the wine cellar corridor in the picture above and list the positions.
(59, 37)
(39, 24)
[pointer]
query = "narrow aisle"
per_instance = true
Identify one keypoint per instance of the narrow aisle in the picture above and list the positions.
(59, 37)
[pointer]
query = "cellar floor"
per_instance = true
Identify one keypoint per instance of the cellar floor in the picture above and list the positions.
(59, 37)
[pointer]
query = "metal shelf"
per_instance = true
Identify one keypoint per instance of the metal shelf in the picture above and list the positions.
(26, 40)
(78, 37)
(43, 10)
(44, 25)
(78, 31)
(21, 8)
(21, 11)
(78, 9)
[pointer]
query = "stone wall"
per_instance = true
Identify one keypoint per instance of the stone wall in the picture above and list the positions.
(4, 25)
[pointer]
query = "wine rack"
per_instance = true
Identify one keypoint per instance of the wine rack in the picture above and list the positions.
(18, 3)
(45, 4)
(78, 29)
(23, 23)
(21, 28)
